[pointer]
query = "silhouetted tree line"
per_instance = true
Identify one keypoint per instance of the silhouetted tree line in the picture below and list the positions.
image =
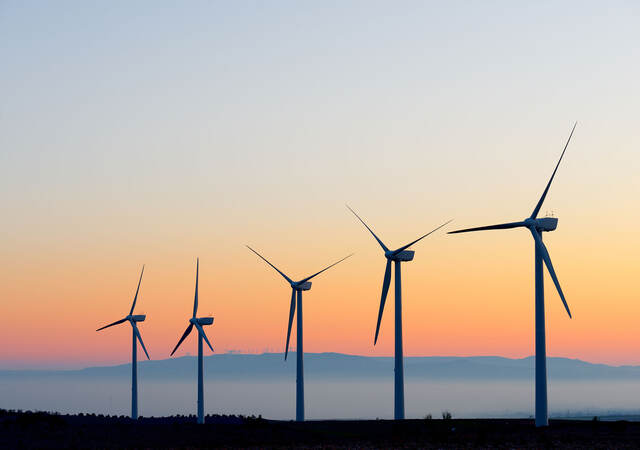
(19, 417)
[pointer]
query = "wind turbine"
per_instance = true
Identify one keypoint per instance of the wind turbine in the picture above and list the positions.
(132, 319)
(397, 256)
(296, 288)
(197, 322)
(537, 227)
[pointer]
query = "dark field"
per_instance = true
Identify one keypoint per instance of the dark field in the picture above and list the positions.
(42, 430)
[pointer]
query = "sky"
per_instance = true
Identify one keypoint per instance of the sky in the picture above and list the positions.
(153, 133)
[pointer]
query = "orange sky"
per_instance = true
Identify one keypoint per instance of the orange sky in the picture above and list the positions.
(463, 295)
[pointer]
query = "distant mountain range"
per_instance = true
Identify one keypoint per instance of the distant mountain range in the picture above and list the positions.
(328, 366)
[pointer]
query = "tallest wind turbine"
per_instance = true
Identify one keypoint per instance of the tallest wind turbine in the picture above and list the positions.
(397, 256)
(537, 227)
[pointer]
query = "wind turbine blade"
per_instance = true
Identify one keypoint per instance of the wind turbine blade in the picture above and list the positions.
(204, 335)
(195, 298)
(137, 290)
(547, 261)
(385, 290)
(326, 268)
(265, 260)
(137, 332)
(292, 310)
(536, 210)
(384, 247)
(112, 324)
(420, 238)
(502, 226)
(184, 336)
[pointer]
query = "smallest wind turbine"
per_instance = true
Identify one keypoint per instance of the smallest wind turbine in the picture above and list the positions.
(132, 319)
(198, 322)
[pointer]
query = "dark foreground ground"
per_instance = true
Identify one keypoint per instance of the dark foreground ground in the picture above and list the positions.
(42, 430)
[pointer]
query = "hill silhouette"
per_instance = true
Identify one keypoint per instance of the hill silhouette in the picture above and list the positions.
(266, 366)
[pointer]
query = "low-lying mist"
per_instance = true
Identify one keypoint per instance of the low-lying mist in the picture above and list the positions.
(336, 386)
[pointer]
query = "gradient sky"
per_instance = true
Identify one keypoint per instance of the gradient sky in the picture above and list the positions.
(155, 132)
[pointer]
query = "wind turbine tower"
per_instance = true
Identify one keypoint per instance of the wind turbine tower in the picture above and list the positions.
(537, 226)
(133, 319)
(397, 256)
(198, 322)
(296, 292)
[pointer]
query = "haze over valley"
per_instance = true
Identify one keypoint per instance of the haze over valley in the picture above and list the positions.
(338, 386)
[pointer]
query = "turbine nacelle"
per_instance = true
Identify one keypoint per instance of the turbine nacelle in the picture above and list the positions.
(137, 317)
(301, 286)
(405, 255)
(543, 224)
(547, 223)
(201, 320)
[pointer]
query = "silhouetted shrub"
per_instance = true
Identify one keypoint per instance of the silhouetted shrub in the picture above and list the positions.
(446, 415)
